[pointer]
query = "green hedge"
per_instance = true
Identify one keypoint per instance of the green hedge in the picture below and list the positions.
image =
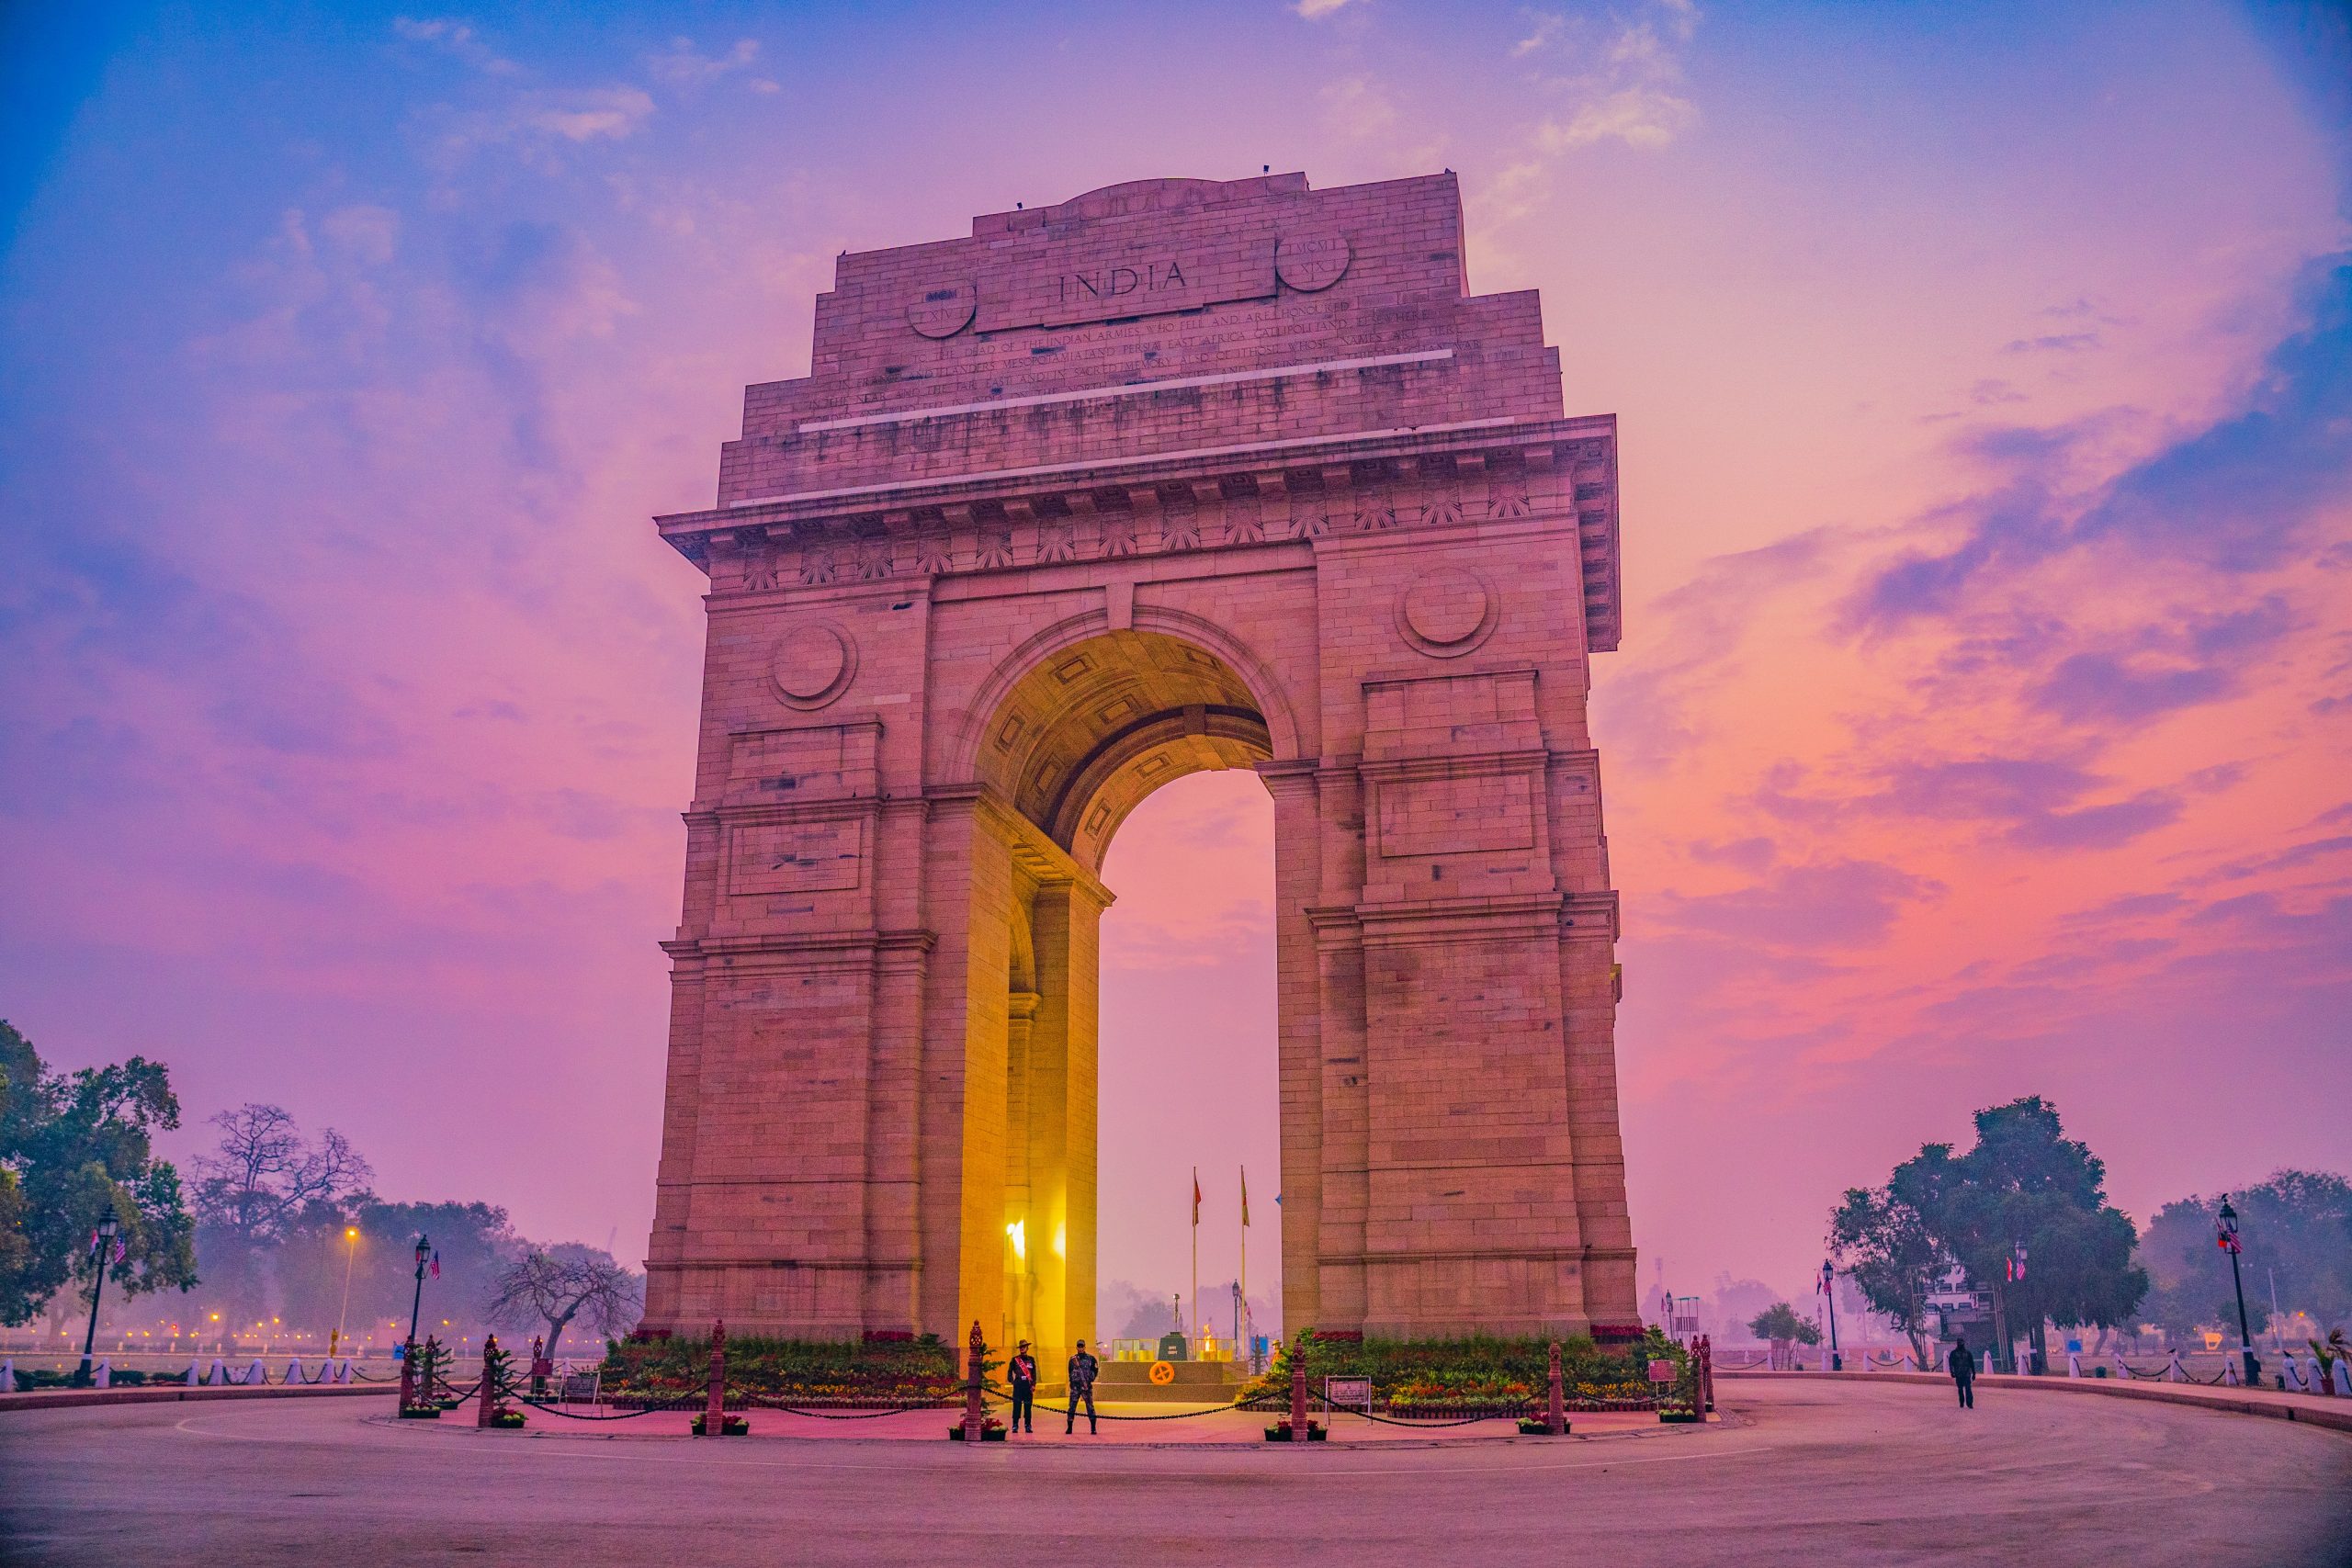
(1479, 1371)
(912, 1372)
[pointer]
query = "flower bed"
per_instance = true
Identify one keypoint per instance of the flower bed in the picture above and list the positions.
(814, 1374)
(1456, 1379)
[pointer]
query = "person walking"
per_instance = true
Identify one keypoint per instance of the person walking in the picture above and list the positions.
(1023, 1375)
(1082, 1370)
(1962, 1362)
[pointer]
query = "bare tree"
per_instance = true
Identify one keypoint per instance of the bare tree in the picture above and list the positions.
(265, 1173)
(564, 1285)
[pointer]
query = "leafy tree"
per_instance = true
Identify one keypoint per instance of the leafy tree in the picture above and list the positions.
(474, 1240)
(563, 1283)
(78, 1146)
(2296, 1225)
(1885, 1246)
(1780, 1324)
(2025, 1184)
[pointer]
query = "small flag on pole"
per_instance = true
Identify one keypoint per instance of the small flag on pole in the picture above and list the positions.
(1245, 1194)
(1196, 1200)
(436, 1265)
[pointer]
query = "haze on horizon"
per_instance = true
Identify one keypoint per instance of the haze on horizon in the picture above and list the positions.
(1980, 729)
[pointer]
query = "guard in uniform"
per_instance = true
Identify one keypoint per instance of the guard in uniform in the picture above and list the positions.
(1082, 1370)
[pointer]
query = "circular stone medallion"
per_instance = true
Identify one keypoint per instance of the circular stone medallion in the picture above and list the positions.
(812, 664)
(1447, 613)
(1313, 260)
(943, 310)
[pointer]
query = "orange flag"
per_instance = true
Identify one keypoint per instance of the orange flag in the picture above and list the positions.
(1196, 1200)
(1244, 1195)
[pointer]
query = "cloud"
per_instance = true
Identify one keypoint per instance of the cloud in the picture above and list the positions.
(1839, 903)
(1644, 117)
(2053, 343)
(590, 114)
(1547, 29)
(2028, 803)
(455, 38)
(1358, 108)
(682, 66)
(2236, 497)
(1315, 10)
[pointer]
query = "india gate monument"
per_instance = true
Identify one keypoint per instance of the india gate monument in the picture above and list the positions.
(1180, 474)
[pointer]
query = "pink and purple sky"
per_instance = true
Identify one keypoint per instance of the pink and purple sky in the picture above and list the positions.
(1980, 726)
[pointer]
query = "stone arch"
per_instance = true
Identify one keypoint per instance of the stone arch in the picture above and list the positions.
(1268, 691)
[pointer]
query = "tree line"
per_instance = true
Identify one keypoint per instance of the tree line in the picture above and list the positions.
(276, 1232)
(2024, 1215)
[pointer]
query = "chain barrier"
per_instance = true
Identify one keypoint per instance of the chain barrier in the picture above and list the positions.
(764, 1403)
(627, 1416)
(1394, 1421)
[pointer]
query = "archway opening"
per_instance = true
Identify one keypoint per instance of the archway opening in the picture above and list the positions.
(1188, 1072)
(1087, 733)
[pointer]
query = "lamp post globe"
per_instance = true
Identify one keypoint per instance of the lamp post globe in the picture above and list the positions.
(100, 1246)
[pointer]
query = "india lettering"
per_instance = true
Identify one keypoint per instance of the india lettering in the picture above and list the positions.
(1112, 282)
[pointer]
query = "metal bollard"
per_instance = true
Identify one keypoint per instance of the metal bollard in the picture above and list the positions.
(1556, 1415)
(488, 1381)
(975, 1416)
(408, 1374)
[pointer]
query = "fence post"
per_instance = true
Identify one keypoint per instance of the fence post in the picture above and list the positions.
(714, 1410)
(408, 1373)
(1555, 1414)
(976, 1417)
(482, 1417)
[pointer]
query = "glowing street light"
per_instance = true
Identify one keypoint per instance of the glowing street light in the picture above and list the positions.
(101, 1244)
(351, 1250)
(423, 1251)
(2228, 1241)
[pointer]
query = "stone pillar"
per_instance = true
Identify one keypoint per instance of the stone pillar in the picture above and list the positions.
(1062, 1137)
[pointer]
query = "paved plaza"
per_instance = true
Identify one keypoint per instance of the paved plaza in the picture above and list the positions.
(1801, 1472)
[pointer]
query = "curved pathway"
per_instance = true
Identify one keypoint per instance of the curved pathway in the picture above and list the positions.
(1805, 1473)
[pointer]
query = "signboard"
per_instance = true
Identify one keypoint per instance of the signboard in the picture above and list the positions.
(1662, 1370)
(1348, 1390)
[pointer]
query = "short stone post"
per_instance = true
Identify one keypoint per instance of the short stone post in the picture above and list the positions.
(540, 1367)
(488, 1381)
(1298, 1422)
(975, 1415)
(1556, 1411)
(1702, 1350)
(714, 1409)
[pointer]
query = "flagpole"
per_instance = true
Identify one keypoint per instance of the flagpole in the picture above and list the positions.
(1241, 1327)
(1192, 1338)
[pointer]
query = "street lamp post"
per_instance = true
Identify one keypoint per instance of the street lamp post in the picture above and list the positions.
(2228, 1241)
(104, 1245)
(417, 1303)
(351, 1250)
(1829, 1292)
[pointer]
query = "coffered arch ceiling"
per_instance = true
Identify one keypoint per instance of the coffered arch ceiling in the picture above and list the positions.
(1098, 725)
